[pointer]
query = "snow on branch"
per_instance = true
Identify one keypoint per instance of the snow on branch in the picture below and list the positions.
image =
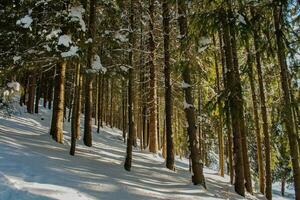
(96, 64)
(76, 16)
(25, 22)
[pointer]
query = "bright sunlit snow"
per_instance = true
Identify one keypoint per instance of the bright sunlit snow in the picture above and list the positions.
(34, 167)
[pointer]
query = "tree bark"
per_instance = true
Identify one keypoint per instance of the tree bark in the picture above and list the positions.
(128, 160)
(234, 101)
(168, 87)
(153, 147)
(87, 137)
(287, 110)
(197, 165)
(261, 171)
(58, 105)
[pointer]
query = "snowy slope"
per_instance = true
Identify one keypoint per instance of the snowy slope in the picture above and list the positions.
(33, 167)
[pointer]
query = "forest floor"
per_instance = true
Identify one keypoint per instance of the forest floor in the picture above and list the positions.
(34, 167)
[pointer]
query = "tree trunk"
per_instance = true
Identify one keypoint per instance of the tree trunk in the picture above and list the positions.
(227, 111)
(75, 114)
(261, 171)
(287, 110)
(99, 101)
(219, 120)
(234, 101)
(282, 187)
(240, 110)
(58, 105)
(37, 95)
(87, 137)
(31, 94)
(153, 147)
(197, 165)
(168, 87)
(128, 160)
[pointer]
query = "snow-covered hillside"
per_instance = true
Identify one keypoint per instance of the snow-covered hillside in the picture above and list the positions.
(33, 166)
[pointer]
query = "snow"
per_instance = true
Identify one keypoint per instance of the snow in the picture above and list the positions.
(25, 22)
(75, 14)
(16, 59)
(187, 105)
(14, 85)
(203, 44)
(204, 41)
(124, 68)
(96, 64)
(54, 34)
(121, 37)
(185, 85)
(64, 40)
(72, 52)
(34, 167)
(241, 19)
(47, 47)
(90, 40)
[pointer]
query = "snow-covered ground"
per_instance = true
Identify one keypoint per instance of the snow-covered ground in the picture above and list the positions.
(34, 167)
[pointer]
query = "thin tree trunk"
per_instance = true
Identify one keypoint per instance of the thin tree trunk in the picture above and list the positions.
(128, 160)
(75, 129)
(37, 95)
(287, 110)
(261, 171)
(58, 105)
(197, 165)
(240, 106)
(227, 111)
(232, 89)
(153, 147)
(87, 137)
(168, 87)
(31, 94)
(99, 101)
(219, 125)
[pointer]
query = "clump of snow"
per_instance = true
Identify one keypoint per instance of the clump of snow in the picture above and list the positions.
(9, 99)
(241, 19)
(25, 22)
(123, 68)
(185, 85)
(47, 47)
(96, 64)
(65, 40)
(187, 105)
(14, 85)
(121, 37)
(54, 34)
(72, 52)
(75, 14)
(90, 40)
(45, 2)
(203, 44)
(16, 59)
